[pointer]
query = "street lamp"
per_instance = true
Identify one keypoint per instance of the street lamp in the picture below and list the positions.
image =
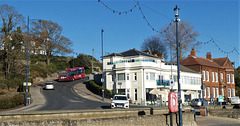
(176, 10)
(28, 58)
(102, 66)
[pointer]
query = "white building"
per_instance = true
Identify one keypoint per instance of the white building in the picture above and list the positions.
(135, 74)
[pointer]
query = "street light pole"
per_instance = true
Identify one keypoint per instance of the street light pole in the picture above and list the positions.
(27, 61)
(102, 66)
(176, 9)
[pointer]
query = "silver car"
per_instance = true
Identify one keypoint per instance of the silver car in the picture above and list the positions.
(119, 101)
(49, 86)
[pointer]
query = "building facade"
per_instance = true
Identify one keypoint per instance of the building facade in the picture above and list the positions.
(135, 74)
(217, 75)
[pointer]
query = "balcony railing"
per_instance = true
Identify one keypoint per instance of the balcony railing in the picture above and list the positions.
(163, 82)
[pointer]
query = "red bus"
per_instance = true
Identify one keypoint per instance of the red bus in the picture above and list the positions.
(71, 74)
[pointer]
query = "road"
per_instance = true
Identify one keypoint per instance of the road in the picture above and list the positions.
(63, 98)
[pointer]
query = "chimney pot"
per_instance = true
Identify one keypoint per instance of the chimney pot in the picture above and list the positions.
(209, 56)
(193, 52)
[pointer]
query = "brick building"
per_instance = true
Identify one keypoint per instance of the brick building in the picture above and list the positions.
(217, 74)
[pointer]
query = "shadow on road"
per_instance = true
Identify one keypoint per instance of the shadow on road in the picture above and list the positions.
(106, 107)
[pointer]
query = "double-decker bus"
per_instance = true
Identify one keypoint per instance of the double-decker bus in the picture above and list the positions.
(71, 74)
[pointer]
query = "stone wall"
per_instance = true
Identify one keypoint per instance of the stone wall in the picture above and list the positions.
(144, 120)
(230, 113)
(143, 117)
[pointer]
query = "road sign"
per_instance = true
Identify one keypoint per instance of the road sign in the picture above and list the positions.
(220, 98)
(171, 83)
(29, 84)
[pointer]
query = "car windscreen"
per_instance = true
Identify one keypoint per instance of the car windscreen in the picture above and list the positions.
(120, 98)
(63, 72)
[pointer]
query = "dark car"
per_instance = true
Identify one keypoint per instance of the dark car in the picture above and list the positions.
(199, 102)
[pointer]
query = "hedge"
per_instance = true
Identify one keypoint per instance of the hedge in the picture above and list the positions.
(12, 101)
(97, 89)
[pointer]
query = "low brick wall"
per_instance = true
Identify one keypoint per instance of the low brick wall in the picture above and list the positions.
(98, 117)
(230, 113)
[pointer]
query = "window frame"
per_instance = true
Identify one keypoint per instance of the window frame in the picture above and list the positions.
(203, 75)
(207, 73)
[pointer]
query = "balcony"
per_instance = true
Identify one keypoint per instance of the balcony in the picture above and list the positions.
(163, 83)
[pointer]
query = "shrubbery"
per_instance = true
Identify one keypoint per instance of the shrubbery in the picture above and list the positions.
(97, 89)
(12, 101)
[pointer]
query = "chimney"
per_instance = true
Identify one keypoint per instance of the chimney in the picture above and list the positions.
(209, 56)
(193, 52)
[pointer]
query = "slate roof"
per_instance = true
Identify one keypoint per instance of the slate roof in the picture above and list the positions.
(131, 52)
(185, 69)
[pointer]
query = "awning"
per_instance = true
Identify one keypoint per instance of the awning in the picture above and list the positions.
(190, 92)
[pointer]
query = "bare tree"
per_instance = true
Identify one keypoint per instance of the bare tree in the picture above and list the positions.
(186, 38)
(154, 45)
(51, 39)
(11, 19)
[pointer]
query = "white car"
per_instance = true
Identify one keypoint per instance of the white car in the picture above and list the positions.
(120, 101)
(49, 86)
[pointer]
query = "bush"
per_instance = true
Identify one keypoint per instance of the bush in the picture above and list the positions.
(95, 88)
(12, 101)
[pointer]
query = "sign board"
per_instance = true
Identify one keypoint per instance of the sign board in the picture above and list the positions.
(29, 84)
(220, 98)
(120, 83)
(173, 102)
(171, 82)
(102, 80)
(235, 100)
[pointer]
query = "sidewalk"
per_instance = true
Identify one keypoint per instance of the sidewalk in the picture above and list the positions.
(37, 98)
(82, 91)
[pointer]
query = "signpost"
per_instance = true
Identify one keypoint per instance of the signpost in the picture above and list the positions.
(220, 99)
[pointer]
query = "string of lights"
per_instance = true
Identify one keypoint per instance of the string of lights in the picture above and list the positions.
(137, 5)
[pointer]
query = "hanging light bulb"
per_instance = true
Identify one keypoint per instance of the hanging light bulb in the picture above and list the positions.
(106, 7)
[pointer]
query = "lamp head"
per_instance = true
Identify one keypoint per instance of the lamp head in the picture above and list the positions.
(176, 10)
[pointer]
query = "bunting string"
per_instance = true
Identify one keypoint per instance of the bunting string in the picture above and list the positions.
(137, 5)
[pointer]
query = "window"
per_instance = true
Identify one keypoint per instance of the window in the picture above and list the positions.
(233, 92)
(208, 92)
(135, 94)
(207, 75)
(203, 75)
(222, 92)
(205, 93)
(152, 76)
(232, 78)
(121, 91)
(135, 76)
(127, 76)
(217, 92)
(175, 78)
(221, 77)
(147, 76)
(213, 92)
(216, 76)
(213, 77)
(121, 77)
(228, 78)
(229, 92)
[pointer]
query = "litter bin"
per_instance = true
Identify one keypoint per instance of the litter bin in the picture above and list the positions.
(203, 111)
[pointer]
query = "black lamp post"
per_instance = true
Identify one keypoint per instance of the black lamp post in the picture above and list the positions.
(176, 10)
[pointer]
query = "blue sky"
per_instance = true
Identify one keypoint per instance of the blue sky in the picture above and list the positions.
(82, 22)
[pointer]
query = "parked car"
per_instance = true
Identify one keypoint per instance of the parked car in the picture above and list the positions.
(49, 86)
(120, 101)
(199, 102)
